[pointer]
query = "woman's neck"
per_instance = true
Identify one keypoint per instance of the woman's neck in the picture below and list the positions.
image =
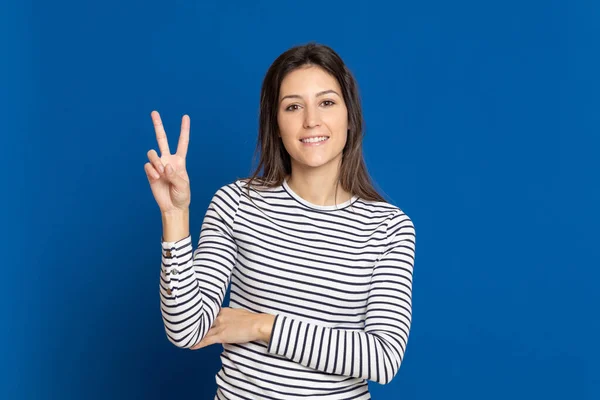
(318, 186)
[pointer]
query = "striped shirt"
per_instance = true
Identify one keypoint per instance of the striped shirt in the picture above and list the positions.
(337, 278)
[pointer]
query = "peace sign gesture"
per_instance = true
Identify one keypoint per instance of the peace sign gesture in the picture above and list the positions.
(167, 175)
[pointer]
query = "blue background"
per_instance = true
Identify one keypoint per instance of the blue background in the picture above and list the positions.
(482, 124)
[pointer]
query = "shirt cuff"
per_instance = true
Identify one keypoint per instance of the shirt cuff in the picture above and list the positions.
(175, 255)
(175, 247)
(273, 347)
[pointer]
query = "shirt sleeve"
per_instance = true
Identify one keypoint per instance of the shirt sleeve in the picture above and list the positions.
(193, 283)
(376, 352)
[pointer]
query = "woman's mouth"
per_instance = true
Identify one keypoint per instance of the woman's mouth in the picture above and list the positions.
(314, 141)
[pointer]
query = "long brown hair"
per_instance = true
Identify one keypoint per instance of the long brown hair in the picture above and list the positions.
(274, 161)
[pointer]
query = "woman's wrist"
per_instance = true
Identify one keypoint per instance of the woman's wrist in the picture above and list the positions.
(176, 225)
(265, 326)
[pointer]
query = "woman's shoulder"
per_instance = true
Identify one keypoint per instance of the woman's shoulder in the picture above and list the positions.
(242, 186)
(392, 213)
(378, 207)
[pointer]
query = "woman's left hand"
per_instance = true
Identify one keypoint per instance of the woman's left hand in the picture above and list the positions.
(237, 325)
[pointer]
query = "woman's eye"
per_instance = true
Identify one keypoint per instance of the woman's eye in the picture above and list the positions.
(294, 107)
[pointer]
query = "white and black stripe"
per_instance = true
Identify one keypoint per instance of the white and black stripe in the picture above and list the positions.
(337, 278)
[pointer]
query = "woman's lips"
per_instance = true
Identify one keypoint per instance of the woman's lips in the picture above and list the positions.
(315, 143)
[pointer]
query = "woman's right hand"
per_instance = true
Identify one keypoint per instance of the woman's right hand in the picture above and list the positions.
(167, 175)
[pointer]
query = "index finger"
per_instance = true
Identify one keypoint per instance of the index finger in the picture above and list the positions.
(161, 135)
(184, 137)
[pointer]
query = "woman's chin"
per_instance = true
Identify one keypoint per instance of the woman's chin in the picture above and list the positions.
(314, 163)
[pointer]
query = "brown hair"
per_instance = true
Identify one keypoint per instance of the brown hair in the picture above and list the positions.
(274, 161)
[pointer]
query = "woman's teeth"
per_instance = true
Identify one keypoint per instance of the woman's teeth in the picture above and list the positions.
(315, 139)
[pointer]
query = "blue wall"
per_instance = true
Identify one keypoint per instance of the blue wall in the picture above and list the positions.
(482, 125)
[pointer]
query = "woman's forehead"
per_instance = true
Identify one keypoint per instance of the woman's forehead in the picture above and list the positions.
(308, 82)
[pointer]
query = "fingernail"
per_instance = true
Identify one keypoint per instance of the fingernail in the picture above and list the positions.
(162, 169)
(169, 169)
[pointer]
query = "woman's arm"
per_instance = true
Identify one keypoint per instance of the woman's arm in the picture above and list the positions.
(376, 352)
(193, 283)
(176, 225)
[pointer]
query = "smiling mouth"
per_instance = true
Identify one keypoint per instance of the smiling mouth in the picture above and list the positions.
(317, 139)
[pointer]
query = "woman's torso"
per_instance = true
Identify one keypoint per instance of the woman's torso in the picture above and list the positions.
(307, 262)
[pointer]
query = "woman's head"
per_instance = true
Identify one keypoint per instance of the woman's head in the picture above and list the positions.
(312, 119)
(309, 92)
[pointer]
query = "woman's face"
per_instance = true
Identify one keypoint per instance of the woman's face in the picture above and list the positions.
(312, 118)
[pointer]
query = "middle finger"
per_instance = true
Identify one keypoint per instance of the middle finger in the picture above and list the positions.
(161, 135)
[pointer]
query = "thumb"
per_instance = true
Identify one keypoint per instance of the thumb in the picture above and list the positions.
(175, 179)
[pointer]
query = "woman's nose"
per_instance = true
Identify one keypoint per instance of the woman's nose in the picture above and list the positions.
(311, 118)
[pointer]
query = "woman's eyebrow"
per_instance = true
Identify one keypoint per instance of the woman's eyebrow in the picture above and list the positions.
(296, 96)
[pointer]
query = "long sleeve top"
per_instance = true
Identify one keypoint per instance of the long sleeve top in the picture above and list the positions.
(337, 278)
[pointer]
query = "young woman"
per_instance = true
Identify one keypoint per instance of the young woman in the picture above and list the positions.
(320, 264)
